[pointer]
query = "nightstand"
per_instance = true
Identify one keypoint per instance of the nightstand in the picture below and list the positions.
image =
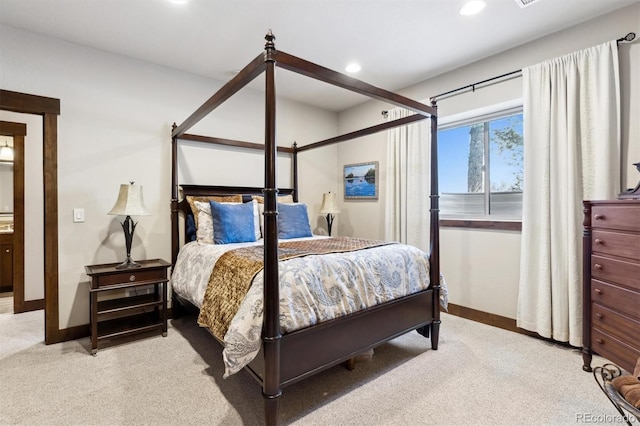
(115, 307)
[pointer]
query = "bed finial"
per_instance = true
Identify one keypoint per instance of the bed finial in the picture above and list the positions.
(270, 38)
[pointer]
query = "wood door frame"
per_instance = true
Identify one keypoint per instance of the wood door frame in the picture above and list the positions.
(18, 131)
(49, 109)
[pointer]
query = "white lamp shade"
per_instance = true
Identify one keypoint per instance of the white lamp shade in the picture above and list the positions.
(329, 204)
(130, 202)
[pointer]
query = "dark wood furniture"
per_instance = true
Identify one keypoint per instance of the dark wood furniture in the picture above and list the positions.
(125, 314)
(286, 359)
(6, 267)
(611, 290)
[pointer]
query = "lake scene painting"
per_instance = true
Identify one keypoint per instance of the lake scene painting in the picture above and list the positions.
(361, 180)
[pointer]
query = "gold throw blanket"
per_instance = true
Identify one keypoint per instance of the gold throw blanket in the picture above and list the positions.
(234, 271)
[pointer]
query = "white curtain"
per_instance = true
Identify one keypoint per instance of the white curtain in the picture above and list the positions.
(571, 153)
(407, 182)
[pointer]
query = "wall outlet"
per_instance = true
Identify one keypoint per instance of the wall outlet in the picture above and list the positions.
(78, 215)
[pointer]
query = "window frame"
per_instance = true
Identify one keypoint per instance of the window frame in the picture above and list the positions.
(482, 115)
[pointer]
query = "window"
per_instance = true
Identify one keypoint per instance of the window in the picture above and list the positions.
(480, 165)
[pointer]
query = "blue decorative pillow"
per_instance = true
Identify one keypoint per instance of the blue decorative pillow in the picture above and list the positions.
(293, 221)
(191, 228)
(232, 223)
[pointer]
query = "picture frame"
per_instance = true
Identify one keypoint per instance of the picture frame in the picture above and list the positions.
(361, 181)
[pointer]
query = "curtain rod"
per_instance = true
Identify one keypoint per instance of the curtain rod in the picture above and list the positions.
(626, 39)
(473, 86)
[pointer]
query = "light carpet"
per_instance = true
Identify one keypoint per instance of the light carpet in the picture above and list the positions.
(480, 375)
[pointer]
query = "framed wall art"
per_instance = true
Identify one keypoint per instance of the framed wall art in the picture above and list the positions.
(361, 181)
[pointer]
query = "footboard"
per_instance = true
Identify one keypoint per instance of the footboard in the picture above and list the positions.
(310, 350)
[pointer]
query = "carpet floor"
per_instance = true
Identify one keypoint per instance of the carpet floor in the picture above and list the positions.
(480, 375)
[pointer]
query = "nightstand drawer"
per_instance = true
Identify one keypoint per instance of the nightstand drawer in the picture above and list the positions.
(622, 217)
(622, 327)
(131, 276)
(616, 271)
(623, 300)
(616, 244)
(613, 349)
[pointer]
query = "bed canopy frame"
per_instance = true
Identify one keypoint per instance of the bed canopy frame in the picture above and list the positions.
(286, 359)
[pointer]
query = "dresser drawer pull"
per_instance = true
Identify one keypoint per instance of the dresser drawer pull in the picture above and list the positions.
(598, 216)
(597, 266)
(600, 341)
(599, 315)
(597, 291)
(132, 278)
(598, 241)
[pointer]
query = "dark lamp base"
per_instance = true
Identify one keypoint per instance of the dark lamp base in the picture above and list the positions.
(128, 264)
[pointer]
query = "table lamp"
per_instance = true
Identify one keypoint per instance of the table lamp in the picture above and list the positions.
(330, 208)
(129, 203)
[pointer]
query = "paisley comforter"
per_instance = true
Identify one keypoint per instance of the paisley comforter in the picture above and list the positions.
(313, 288)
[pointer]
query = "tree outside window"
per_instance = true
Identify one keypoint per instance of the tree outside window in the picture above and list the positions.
(481, 168)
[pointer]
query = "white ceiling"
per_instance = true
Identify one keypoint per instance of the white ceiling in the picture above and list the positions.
(398, 42)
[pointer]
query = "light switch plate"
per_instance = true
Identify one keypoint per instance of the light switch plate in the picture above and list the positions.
(78, 215)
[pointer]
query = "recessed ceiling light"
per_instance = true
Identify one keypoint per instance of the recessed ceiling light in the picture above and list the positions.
(353, 68)
(179, 1)
(473, 7)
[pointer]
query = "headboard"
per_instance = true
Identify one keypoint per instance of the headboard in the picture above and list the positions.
(211, 190)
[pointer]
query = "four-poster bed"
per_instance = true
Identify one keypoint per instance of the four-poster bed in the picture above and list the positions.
(286, 358)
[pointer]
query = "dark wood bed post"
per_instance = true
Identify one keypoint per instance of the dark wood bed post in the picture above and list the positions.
(175, 237)
(295, 172)
(271, 329)
(434, 234)
(587, 355)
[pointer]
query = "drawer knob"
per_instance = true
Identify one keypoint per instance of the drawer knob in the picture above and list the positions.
(597, 291)
(132, 278)
(597, 266)
(598, 241)
(599, 315)
(7, 251)
(598, 216)
(600, 341)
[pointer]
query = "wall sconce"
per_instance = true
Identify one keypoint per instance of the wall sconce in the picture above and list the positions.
(129, 203)
(6, 153)
(330, 208)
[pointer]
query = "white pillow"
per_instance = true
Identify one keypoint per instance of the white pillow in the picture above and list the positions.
(204, 232)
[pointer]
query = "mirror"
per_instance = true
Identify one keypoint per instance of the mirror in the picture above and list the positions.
(6, 184)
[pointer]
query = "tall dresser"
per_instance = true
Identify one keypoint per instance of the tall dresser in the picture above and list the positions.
(611, 289)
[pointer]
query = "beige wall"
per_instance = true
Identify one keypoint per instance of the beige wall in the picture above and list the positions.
(114, 126)
(482, 267)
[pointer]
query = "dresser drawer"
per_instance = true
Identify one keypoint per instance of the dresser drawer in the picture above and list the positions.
(621, 217)
(616, 271)
(131, 276)
(616, 244)
(613, 349)
(624, 328)
(618, 298)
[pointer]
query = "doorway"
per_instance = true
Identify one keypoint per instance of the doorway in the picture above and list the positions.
(48, 109)
(12, 137)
